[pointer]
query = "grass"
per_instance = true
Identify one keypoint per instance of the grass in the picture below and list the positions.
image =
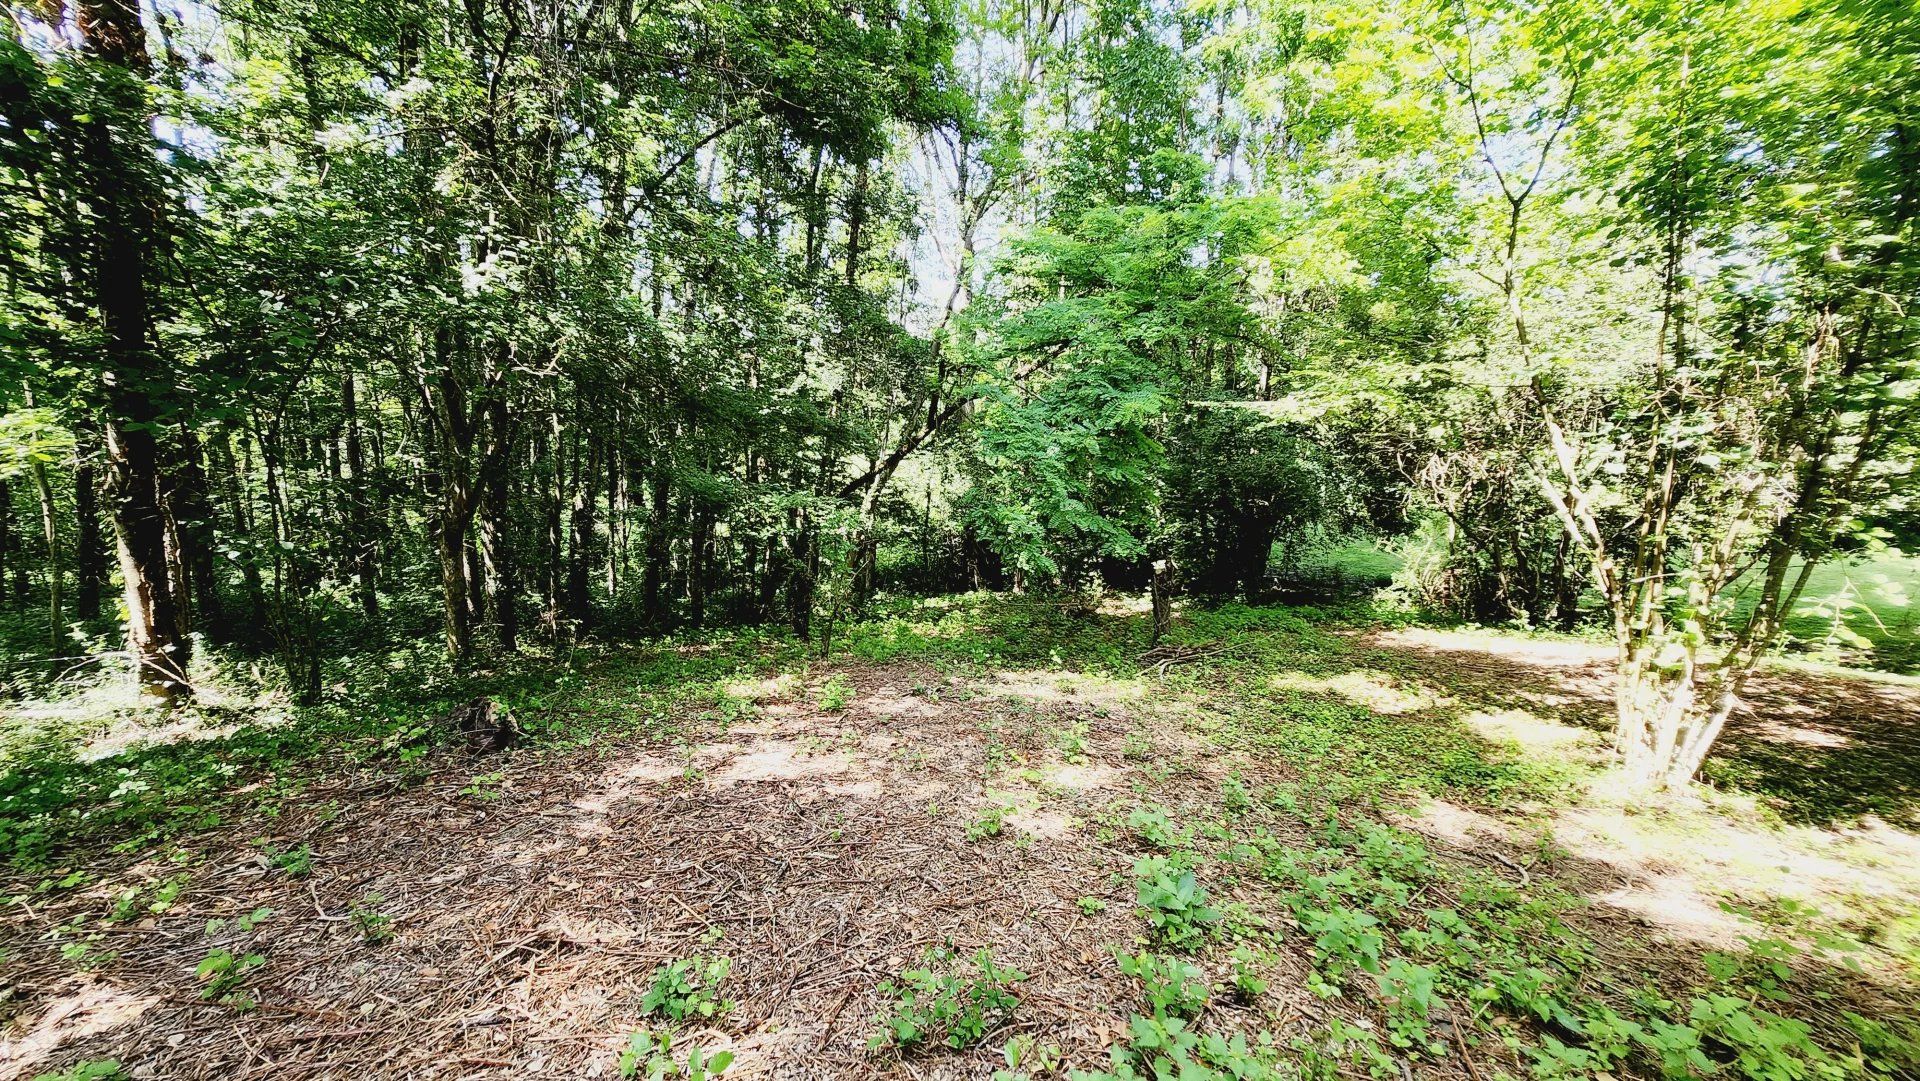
(1863, 610)
(1334, 851)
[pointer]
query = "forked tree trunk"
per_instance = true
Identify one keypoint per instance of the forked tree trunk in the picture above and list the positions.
(1668, 715)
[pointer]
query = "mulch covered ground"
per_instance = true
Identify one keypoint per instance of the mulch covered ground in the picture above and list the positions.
(534, 893)
(821, 852)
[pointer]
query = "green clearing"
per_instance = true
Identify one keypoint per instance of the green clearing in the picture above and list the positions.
(1261, 819)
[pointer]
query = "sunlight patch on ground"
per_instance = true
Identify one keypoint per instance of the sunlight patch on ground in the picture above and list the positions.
(893, 703)
(1685, 854)
(1460, 826)
(1361, 687)
(1082, 776)
(1043, 685)
(1533, 734)
(1674, 904)
(94, 1008)
(1524, 649)
(779, 760)
(1041, 822)
(588, 931)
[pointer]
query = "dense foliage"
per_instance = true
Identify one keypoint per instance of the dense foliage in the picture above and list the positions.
(358, 322)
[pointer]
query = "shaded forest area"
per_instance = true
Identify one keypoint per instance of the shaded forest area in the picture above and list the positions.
(1144, 403)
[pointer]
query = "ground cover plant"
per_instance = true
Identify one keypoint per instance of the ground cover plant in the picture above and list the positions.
(1348, 849)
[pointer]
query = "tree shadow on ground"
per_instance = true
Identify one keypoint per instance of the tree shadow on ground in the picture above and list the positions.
(1825, 749)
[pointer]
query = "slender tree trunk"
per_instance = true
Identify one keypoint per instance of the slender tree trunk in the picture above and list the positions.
(699, 563)
(653, 573)
(358, 499)
(9, 559)
(235, 483)
(193, 514)
(50, 532)
(581, 544)
(803, 573)
(89, 554)
(550, 516)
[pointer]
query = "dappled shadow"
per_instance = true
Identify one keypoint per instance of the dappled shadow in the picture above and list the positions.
(532, 895)
(1824, 748)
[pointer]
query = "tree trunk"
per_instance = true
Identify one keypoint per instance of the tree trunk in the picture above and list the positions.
(1162, 598)
(50, 533)
(653, 574)
(192, 512)
(235, 484)
(803, 573)
(457, 618)
(699, 565)
(580, 544)
(358, 498)
(496, 535)
(124, 228)
(89, 554)
(11, 569)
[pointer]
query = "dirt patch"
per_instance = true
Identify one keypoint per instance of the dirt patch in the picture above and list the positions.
(822, 852)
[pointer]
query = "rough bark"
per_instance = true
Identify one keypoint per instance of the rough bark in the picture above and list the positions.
(111, 33)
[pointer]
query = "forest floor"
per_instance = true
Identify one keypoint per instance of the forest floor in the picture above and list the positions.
(981, 836)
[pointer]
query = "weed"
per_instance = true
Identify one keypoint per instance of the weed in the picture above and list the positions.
(485, 787)
(1026, 1057)
(224, 975)
(90, 1070)
(689, 987)
(1073, 742)
(83, 953)
(1170, 986)
(949, 1002)
(989, 823)
(1091, 905)
(128, 904)
(1153, 826)
(296, 862)
(1235, 796)
(240, 924)
(1166, 1048)
(1247, 981)
(649, 1055)
(836, 694)
(1174, 902)
(370, 919)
